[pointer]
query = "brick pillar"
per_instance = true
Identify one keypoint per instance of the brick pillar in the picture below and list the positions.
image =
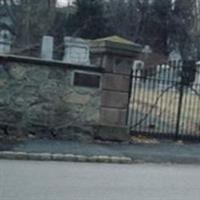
(116, 60)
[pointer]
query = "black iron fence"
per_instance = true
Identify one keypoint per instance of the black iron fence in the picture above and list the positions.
(165, 101)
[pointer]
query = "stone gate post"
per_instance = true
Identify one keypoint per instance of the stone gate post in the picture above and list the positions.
(115, 55)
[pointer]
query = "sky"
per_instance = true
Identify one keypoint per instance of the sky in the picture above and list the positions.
(64, 2)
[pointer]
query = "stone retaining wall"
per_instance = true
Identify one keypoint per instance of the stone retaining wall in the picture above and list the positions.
(38, 98)
(41, 101)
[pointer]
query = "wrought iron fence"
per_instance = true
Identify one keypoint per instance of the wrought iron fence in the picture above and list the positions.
(165, 101)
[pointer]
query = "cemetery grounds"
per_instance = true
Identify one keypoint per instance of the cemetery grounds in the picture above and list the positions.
(156, 110)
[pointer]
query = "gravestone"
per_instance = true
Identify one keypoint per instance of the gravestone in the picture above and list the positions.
(47, 47)
(166, 76)
(197, 77)
(146, 51)
(175, 58)
(76, 51)
(5, 42)
(138, 67)
(196, 84)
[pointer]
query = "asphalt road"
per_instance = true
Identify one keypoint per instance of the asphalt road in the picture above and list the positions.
(29, 180)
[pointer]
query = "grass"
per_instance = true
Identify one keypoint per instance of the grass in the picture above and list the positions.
(157, 111)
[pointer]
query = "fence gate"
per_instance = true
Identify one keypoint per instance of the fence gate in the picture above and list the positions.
(165, 101)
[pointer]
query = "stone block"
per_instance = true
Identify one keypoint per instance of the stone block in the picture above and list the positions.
(18, 72)
(5, 42)
(39, 156)
(97, 60)
(80, 158)
(114, 99)
(112, 133)
(69, 157)
(113, 116)
(76, 51)
(102, 159)
(123, 66)
(20, 155)
(57, 157)
(92, 158)
(7, 155)
(116, 82)
(3, 83)
(47, 47)
(77, 98)
(108, 63)
(122, 160)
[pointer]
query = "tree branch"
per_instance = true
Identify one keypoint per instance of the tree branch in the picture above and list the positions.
(9, 11)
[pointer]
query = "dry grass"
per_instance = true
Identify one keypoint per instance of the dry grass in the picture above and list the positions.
(163, 106)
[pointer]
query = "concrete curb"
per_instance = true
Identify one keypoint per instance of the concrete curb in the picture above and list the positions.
(159, 159)
(9, 155)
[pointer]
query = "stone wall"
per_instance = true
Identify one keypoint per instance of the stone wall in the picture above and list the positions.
(38, 98)
(41, 101)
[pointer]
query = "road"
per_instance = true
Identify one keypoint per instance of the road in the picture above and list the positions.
(29, 180)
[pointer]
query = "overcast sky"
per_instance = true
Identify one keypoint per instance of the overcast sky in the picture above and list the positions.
(64, 2)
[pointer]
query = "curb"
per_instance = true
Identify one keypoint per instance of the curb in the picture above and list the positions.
(160, 159)
(9, 155)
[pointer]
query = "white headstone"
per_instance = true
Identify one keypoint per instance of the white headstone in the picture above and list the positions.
(47, 47)
(77, 51)
(138, 66)
(147, 49)
(197, 76)
(175, 58)
(5, 42)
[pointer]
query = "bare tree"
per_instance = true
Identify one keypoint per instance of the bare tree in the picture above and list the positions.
(30, 19)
